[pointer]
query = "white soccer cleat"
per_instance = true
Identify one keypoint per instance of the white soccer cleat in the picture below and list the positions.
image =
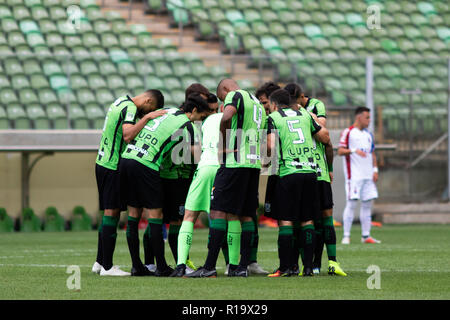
(255, 268)
(189, 270)
(114, 271)
(96, 268)
(345, 240)
(227, 268)
(151, 267)
(370, 240)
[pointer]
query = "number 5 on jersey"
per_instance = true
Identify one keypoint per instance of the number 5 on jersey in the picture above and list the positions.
(301, 137)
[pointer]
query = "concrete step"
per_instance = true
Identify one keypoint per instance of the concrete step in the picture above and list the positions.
(208, 51)
(398, 213)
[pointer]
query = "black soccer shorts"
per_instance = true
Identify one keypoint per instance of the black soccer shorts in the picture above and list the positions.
(108, 185)
(270, 198)
(297, 197)
(141, 186)
(235, 191)
(325, 195)
(175, 192)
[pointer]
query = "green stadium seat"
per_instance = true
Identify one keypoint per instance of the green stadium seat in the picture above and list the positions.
(54, 39)
(30, 222)
(39, 13)
(95, 115)
(81, 221)
(4, 81)
(295, 29)
(172, 83)
(66, 97)
(126, 68)
(115, 82)
(118, 56)
(18, 117)
(38, 117)
(21, 12)
(154, 82)
(27, 96)
(163, 69)
(78, 81)
(144, 68)
(57, 115)
(270, 43)
(250, 42)
(57, 13)
(19, 82)
(47, 26)
(319, 17)
(4, 122)
(339, 98)
(8, 96)
(412, 32)
(51, 67)
(5, 12)
(9, 25)
(260, 28)
(77, 116)
(35, 40)
(47, 96)
(16, 39)
(88, 67)
(6, 223)
(39, 81)
(312, 31)
(53, 220)
(104, 96)
(136, 83)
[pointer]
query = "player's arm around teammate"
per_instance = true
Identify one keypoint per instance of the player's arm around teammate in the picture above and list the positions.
(121, 117)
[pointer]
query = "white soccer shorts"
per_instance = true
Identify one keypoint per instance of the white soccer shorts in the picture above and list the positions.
(363, 190)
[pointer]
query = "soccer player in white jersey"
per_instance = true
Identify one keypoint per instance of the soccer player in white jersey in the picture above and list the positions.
(356, 145)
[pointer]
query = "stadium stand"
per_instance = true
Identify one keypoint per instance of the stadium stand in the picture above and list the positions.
(55, 75)
(324, 44)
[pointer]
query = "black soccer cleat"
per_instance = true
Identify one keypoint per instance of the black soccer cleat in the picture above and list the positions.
(240, 271)
(166, 272)
(141, 272)
(202, 273)
(308, 272)
(179, 271)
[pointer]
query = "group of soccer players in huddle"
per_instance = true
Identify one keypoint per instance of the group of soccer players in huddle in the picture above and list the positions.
(171, 164)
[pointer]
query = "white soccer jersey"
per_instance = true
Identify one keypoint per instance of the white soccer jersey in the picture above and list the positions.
(355, 166)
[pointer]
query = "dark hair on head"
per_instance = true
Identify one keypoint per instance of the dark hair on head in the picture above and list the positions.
(195, 100)
(267, 89)
(195, 87)
(360, 110)
(159, 97)
(212, 98)
(294, 91)
(280, 97)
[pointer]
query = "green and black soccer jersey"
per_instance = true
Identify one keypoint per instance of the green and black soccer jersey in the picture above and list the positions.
(121, 111)
(246, 129)
(295, 129)
(158, 137)
(318, 108)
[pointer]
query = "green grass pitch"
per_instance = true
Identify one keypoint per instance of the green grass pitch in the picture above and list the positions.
(413, 262)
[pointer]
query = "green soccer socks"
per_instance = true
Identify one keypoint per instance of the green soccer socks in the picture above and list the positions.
(184, 241)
